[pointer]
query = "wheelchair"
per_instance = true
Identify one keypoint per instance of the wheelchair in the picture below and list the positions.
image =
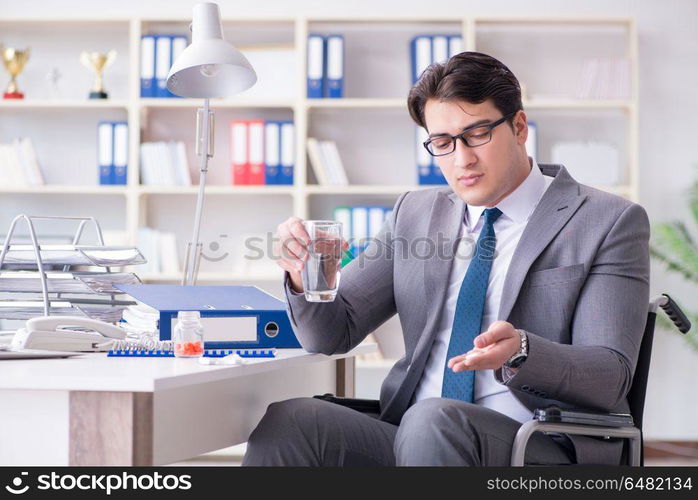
(579, 421)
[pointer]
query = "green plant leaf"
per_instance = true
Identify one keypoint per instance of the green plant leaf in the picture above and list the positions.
(672, 238)
(673, 266)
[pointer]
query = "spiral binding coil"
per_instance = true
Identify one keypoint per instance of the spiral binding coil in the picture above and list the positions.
(142, 342)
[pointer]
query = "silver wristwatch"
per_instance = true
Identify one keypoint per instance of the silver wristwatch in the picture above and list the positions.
(519, 356)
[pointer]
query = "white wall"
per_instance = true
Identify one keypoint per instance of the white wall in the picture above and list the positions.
(668, 110)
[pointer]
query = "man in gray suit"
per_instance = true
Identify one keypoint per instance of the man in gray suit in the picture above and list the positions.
(516, 288)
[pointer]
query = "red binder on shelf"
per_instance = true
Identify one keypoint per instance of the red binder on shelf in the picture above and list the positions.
(239, 163)
(255, 152)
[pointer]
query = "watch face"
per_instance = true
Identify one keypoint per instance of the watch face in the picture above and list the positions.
(517, 361)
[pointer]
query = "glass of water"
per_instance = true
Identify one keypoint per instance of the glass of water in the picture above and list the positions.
(322, 267)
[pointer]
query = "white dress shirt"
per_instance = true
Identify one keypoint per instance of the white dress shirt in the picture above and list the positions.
(516, 209)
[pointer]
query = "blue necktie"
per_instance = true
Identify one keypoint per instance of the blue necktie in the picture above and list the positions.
(469, 308)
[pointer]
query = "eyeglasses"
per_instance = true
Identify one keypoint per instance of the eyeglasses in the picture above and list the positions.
(473, 137)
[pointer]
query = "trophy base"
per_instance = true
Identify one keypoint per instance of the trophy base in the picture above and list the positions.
(98, 95)
(13, 95)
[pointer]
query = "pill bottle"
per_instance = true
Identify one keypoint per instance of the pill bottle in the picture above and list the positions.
(188, 336)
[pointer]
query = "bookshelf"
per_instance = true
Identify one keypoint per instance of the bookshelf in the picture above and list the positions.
(377, 79)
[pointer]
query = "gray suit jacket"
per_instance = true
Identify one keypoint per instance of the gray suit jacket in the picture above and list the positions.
(578, 283)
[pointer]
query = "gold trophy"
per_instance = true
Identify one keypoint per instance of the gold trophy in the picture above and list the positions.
(14, 61)
(98, 63)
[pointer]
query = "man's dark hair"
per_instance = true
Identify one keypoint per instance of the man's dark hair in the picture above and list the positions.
(469, 76)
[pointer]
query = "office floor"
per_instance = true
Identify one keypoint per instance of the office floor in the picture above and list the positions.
(227, 457)
(232, 457)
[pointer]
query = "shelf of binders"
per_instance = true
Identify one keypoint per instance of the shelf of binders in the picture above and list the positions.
(357, 61)
(377, 76)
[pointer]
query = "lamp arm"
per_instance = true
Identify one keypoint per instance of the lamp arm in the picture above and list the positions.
(204, 150)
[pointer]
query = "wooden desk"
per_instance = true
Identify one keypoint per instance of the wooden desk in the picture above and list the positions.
(94, 410)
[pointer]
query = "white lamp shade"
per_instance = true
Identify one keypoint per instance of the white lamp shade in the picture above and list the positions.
(210, 66)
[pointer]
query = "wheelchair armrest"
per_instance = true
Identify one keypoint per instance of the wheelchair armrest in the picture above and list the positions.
(555, 414)
(579, 422)
(369, 406)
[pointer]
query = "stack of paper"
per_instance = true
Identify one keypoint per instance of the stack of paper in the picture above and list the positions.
(140, 319)
(19, 166)
(326, 162)
(164, 164)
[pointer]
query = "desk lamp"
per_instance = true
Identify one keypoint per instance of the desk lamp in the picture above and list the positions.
(208, 67)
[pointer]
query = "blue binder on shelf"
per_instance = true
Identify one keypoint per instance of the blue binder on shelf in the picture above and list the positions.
(439, 48)
(148, 66)
(436, 176)
(163, 61)
(342, 214)
(428, 172)
(120, 157)
(359, 229)
(364, 222)
(376, 218)
(234, 317)
(272, 152)
(334, 67)
(105, 152)
(427, 49)
(316, 66)
(288, 152)
(455, 45)
(420, 55)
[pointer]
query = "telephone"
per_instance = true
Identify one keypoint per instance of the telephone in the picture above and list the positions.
(53, 333)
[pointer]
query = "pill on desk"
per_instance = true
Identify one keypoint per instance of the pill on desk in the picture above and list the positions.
(233, 359)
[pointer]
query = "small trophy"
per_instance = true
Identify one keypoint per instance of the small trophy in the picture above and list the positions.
(14, 61)
(98, 62)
